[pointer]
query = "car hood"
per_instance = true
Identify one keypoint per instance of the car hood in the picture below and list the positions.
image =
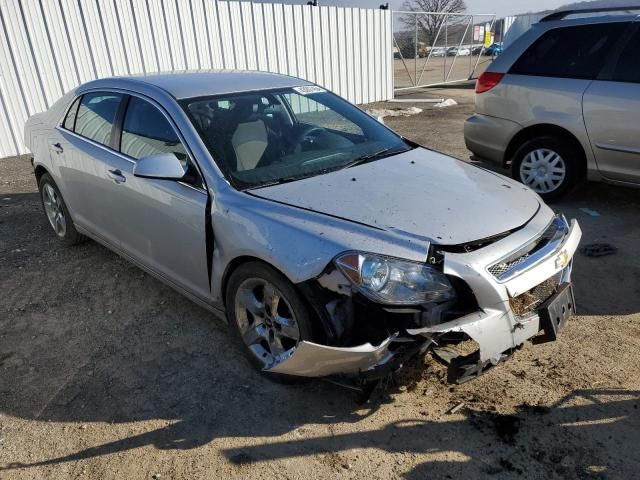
(420, 193)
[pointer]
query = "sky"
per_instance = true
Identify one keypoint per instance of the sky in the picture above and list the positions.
(499, 7)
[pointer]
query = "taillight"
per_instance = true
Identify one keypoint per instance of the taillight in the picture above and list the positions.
(487, 81)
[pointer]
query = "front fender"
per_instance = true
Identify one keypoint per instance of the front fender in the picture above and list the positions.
(297, 242)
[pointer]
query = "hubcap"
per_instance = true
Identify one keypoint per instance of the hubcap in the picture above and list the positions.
(543, 170)
(265, 320)
(53, 209)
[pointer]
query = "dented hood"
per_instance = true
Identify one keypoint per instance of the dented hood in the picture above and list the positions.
(420, 192)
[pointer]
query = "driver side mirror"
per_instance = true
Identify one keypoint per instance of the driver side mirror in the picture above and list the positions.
(162, 166)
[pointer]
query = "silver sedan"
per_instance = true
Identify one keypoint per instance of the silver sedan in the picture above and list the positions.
(332, 245)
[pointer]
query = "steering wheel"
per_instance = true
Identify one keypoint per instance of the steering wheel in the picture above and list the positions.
(207, 117)
(306, 133)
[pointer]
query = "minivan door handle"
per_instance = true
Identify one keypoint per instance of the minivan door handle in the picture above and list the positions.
(56, 147)
(116, 176)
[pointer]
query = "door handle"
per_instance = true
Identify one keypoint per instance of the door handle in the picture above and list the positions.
(116, 176)
(56, 147)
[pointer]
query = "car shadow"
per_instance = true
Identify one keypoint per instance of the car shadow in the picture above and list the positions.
(515, 437)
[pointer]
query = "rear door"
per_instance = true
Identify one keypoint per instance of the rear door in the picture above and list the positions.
(86, 145)
(612, 114)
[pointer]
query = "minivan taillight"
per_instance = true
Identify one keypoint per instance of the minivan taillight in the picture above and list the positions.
(487, 81)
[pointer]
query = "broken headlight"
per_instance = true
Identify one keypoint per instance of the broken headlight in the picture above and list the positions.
(393, 281)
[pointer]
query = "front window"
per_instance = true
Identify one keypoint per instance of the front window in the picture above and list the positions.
(266, 137)
(146, 131)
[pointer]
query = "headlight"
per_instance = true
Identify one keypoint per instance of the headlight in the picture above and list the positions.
(392, 281)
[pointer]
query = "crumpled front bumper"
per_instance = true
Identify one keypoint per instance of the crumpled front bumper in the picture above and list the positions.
(494, 327)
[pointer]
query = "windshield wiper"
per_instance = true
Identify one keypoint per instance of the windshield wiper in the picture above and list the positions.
(367, 157)
(277, 181)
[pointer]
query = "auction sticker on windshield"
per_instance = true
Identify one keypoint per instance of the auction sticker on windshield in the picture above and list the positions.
(308, 89)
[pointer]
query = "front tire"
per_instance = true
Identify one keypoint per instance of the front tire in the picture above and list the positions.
(56, 211)
(548, 165)
(267, 315)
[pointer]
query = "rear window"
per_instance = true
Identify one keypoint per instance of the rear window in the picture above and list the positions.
(96, 116)
(628, 66)
(570, 52)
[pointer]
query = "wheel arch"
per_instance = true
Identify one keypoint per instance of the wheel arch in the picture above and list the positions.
(305, 290)
(544, 130)
(233, 265)
(39, 171)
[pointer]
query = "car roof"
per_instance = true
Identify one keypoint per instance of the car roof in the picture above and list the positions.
(586, 19)
(199, 83)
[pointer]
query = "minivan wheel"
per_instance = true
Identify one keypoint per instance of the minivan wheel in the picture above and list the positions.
(56, 211)
(267, 315)
(547, 165)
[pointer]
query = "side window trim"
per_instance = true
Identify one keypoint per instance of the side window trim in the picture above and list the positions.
(116, 132)
(75, 100)
(119, 121)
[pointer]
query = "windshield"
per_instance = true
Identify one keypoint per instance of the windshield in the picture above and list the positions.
(265, 137)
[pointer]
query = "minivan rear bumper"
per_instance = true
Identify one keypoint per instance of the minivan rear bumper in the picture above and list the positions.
(488, 137)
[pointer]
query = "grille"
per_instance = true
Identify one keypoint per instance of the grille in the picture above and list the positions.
(530, 300)
(501, 268)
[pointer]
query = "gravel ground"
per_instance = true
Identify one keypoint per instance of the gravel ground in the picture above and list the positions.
(107, 373)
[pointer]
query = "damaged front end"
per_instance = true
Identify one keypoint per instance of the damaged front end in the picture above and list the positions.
(458, 304)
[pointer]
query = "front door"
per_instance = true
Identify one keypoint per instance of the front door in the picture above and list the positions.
(159, 223)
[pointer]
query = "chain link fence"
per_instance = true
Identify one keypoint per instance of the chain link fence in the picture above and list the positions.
(432, 49)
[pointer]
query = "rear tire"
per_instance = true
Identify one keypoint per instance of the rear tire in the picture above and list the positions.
(267, 315)
(549, 165)
(56, 211)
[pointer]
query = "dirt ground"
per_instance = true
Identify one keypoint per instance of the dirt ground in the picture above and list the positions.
(107, 373)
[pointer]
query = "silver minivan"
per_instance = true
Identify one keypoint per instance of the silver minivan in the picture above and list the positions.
(332, 245)
(563, 103)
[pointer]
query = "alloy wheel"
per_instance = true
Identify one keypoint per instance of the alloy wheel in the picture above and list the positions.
(53, 208)
(543, 170)
(266, 320)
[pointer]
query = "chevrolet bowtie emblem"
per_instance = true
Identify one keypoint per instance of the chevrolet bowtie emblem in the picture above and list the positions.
(562, 260)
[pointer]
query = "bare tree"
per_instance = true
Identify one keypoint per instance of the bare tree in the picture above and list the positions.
(430, 24)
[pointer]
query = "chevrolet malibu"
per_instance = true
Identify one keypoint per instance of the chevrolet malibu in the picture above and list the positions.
(333, 246)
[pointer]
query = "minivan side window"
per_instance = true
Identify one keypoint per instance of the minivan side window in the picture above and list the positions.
(70, 119)
(96, 116)
(628, 65)
(570, 52)
(146, 131)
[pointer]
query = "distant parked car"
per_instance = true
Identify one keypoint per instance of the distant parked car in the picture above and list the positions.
(438, 52)
(332, 244)
(563, 103)
(455, 51)
(494, 50)
(477, 50)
